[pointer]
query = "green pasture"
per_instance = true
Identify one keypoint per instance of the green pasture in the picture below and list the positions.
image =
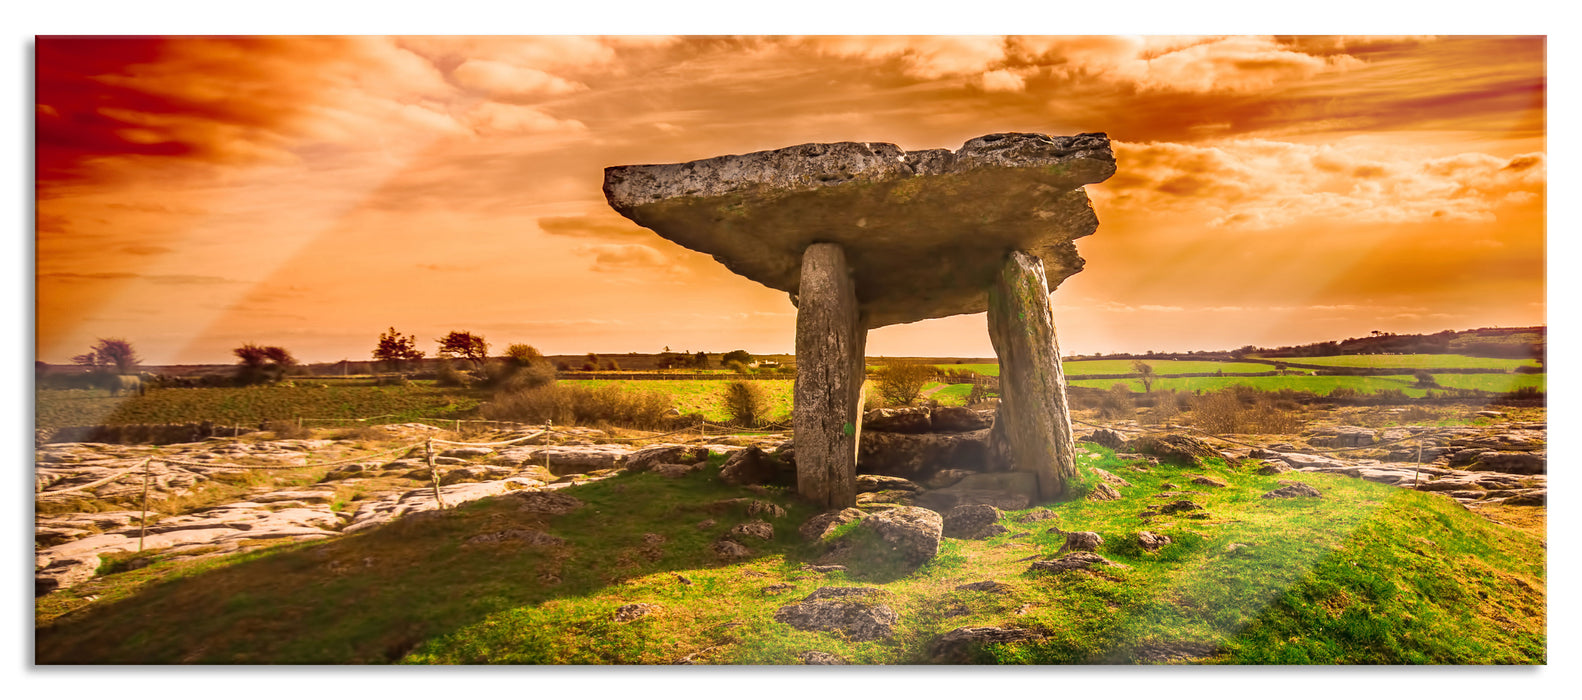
(1411, 361)
(703, 396)
(1498, 383)
(253, 405)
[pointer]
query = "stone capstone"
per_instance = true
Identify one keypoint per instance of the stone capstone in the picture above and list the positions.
(895, 212)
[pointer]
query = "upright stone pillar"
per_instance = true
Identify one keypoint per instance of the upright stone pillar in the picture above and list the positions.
(830, 340)
(1036, 420)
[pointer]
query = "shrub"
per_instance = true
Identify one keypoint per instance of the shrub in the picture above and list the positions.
(738, 367)
(902, 381)
(287, 430)
(1117, 403)
(747, 403)
(448, 375)
(523, 354)
(1165, 408)
(579, 405)
(1229, 411)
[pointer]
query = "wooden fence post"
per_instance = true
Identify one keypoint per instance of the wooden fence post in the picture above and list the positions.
(143, 525)
(433, 472)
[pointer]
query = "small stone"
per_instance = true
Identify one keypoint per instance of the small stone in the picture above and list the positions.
(989, 586)
(819, 526)
(1178, 507)
(1208, 481)
(822, 658)
(959, 645)
(706, 524)
(1075, 560)
(548, 502)
(1037, 515)
(841, 609)
(1294, 490)
(632, 611)
(972, 522)
(726, 549)
(1082, 542)
(756, 530)
(1103, 492)
(1152, 541)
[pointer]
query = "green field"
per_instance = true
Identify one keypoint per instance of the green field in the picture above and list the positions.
(252, 405)
(1411, 361)
(1498, 383)
(1081, 367)
(699, 395)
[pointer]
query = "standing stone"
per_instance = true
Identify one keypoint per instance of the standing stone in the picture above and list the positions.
(826, 415)
(1033, 410)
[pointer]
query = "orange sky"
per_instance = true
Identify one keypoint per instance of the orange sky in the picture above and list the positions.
(197, 194)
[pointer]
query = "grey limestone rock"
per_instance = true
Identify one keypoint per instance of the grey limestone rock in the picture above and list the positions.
(895, 212)
(959, 646)
(973, 522)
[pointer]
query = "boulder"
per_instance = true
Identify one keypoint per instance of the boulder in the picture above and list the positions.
(1293, 489)
(946, 478)
(1344, 436)
(819, 526)
(1073, 561)
(548, 502)
(1179, 507)
(1082, 542)
(1003, 490)
(1108, 477)
(1104, 437)
(1510, 462)
(752, 530)
(749, 466)
(960, 419)
(898, 420)
(849, 610)
(961, 645)
(878, 482)
(912, 532)
(728, 550)
(650, 457)
(1181, 450)
(632, 611)
(1103, 492)
(675, 471)
(919, 456)
(1152, 541)
(972, 522)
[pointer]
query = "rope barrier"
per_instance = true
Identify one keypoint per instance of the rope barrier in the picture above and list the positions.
(105, 480)
(505, 443)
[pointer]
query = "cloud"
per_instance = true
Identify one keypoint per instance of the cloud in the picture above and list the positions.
(606, 227)
(156, 279)
(1259, 184)
(503, 80)
(496, 118)
(627, 258)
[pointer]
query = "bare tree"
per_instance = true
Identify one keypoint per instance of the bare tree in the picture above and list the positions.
(1145, 372)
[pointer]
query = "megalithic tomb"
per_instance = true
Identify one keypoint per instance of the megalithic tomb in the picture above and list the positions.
(864, 235)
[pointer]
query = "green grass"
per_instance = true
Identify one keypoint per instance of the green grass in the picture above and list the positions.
(1161, 367)
(252, 405)
(1366, 574)
(952, 395)
(1324, 385)
(705, 396)
(1411, 361)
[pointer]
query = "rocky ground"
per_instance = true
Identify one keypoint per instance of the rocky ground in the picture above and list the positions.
(1502, 463)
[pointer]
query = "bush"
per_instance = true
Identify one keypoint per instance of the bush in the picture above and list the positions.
(738, 367)
(580, 405)
(448, 375)
(747, 403)
(287, 430)
(1232, 411)
(902, 381)
(523, 354)
(1117, 403)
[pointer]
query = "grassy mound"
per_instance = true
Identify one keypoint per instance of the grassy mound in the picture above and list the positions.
(1365, 574)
